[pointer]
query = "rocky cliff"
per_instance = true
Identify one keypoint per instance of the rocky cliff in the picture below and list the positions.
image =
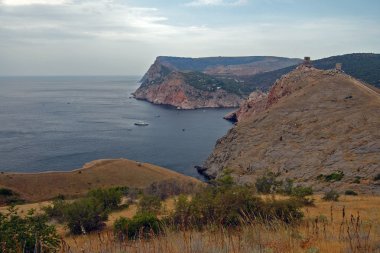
(190, 83)
(174, 90)
(313, 123)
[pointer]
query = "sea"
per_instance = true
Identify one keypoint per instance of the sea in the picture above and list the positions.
(61, 123)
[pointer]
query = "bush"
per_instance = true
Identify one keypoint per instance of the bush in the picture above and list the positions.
(268, 183)
(283, 210)
(377, 177)
(331, 196)
(6, 192)
(9, 197)
(109, 198)
(28, 234)
(149, 204)
(301, 191)
(140, 226)
(231, 206)
(333, 177)
(350, 192)
(57, 210)
(170, 187)
(85, 215)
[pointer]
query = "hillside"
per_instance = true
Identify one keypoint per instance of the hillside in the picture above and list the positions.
(190, 83)
(363, 66)
(97, 174)
(312, 126)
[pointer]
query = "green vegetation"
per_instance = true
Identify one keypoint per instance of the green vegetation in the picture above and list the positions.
(110, 199)
(361, 66)
(331, 196)
(87, 214)
(140, 226)
(226, 204)
(377, 177)
(29, 234)
(170, 187)
(333, 177)
(351, 193)
(268, 183)
(9, 197)
(357, 180)
(149, 204)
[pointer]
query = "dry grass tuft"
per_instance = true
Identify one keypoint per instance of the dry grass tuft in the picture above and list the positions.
(351, 225)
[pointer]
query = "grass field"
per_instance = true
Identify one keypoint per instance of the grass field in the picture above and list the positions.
(324, 229)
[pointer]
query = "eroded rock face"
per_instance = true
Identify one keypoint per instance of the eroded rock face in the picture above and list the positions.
(255, 103)
(173, 90)
(190, 83)
(314, 122)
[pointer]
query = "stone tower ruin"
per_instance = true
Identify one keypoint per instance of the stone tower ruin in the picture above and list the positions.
(307, 61)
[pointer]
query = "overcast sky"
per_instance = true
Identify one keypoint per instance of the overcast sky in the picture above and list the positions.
(123, 37)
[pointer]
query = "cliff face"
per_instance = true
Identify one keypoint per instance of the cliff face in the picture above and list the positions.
(173, 90)
(190, 83)
(312, 123)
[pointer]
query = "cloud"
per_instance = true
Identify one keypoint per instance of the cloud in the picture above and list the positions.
(24, 21)
(33, 2)
(217, 3)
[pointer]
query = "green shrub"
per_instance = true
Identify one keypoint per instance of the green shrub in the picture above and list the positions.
(9, 197)
(350, 192)
(140, 226)
(231, 206)
(268, 183)
(56, 210)
(85, 215)
(377, 177)
(333, 177)
(6, 192)
(109, 198)
(170, 187)
(287, 187)
(331, 196)
(149, 204)
(301, 191)
(283, 210)
(29, 234)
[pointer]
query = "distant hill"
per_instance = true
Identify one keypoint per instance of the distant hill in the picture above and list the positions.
(93, 175)
(313, 125)
(363, 66)
(190, 83)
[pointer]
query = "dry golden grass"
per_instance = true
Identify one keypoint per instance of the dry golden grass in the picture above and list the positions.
(97, 174)
(358, 231)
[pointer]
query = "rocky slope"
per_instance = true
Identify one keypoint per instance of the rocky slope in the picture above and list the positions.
(174, 90)
(313, 123)
(363, 66)
(190, 83)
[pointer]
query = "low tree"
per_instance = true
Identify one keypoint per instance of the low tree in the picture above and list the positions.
(85, 215)
(331, 196)
(28, 234)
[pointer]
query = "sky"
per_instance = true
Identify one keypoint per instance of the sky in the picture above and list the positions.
(123, 37)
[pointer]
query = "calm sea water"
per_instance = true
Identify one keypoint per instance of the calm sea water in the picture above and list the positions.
(60, 123)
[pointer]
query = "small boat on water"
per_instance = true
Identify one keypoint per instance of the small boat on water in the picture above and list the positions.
(141, 123)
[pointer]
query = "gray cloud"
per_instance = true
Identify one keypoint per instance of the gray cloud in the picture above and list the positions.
(108, 37)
